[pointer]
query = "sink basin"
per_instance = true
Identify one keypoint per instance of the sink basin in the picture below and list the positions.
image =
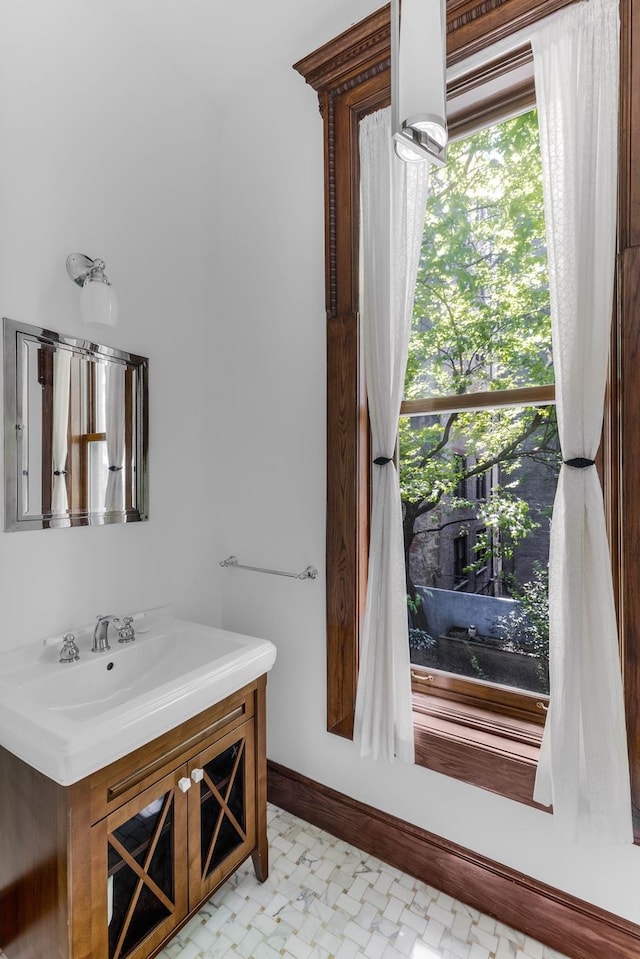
(70, 719)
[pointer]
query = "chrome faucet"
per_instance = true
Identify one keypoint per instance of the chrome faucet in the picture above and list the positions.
(100, 633)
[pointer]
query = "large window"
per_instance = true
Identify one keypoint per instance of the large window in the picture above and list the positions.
(479, 453)
(471, 737)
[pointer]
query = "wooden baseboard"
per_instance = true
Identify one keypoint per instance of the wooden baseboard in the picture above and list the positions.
(572, 926)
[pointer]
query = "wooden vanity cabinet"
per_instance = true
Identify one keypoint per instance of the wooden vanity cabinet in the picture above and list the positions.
(112, 866)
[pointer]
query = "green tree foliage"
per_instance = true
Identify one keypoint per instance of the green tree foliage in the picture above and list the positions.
(482, 279)
(480, 323)
(526, 628)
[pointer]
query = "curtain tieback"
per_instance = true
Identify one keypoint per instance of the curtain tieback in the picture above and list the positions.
(115, 469)
(579, 463)
(60, 472)
(382, 460)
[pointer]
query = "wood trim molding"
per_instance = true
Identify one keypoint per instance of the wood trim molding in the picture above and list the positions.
(628, 507)
(624, 430)
(517, 705)
(518, 100)
(629, 182)
(453, 743)
(493, 70)
(570, 925)
(473, 25)
(363, 47)
(523, 396)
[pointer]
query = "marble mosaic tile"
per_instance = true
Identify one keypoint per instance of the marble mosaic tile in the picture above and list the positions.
(325, 899)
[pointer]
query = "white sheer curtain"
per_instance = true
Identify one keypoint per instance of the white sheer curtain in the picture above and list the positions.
(61, 385)
(393, 199)
(114, 380)
(583, 767)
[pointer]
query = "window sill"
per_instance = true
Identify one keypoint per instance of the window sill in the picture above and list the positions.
(478, 746)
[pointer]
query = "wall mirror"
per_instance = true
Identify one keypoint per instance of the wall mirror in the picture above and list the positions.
(75, 431)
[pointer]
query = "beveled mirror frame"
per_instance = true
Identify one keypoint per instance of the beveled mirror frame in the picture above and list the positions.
(16, 338)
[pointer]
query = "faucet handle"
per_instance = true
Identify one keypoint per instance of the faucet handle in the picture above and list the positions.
(126, 633)
(69, 652)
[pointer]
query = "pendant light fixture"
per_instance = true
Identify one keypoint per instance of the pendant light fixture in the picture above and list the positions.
(418, 80)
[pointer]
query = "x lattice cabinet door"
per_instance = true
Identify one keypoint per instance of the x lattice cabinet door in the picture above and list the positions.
(221, 804)
(141, 847)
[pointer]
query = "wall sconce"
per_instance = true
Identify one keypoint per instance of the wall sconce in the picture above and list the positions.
(418, 80)
(98, 301)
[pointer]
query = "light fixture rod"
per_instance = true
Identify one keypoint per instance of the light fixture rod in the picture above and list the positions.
(418, 64)
(395, 50)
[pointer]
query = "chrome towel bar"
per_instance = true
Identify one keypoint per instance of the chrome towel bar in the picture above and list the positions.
(309, 573)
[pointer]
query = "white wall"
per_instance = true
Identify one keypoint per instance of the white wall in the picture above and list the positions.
(108, 150)
(124, 134)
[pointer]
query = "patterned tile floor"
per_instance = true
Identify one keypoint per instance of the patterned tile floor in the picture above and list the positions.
(325, 899)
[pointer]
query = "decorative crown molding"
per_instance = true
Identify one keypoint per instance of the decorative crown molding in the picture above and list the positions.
(350, 56)
(471, 26)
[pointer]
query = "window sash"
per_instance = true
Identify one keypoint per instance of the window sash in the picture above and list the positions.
(524, 396)
(434, 682)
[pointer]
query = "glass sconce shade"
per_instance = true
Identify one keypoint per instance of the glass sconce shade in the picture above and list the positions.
(98, 303)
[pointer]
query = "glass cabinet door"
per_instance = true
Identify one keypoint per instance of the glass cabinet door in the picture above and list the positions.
(221, 810)
(140, 851)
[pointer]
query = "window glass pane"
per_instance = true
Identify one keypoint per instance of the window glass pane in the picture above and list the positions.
(481, 313)
(477, 490)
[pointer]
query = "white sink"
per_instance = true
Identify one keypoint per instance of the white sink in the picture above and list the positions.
(70, 719)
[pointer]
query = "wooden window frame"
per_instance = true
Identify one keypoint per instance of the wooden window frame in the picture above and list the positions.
(459, 732)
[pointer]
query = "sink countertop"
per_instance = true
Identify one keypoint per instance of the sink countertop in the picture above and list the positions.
(70, 719)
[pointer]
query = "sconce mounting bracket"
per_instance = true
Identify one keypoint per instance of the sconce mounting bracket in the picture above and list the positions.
(80, 266)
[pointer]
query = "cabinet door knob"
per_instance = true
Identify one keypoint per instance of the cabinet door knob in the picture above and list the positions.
(184, 784)
(197, 775)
